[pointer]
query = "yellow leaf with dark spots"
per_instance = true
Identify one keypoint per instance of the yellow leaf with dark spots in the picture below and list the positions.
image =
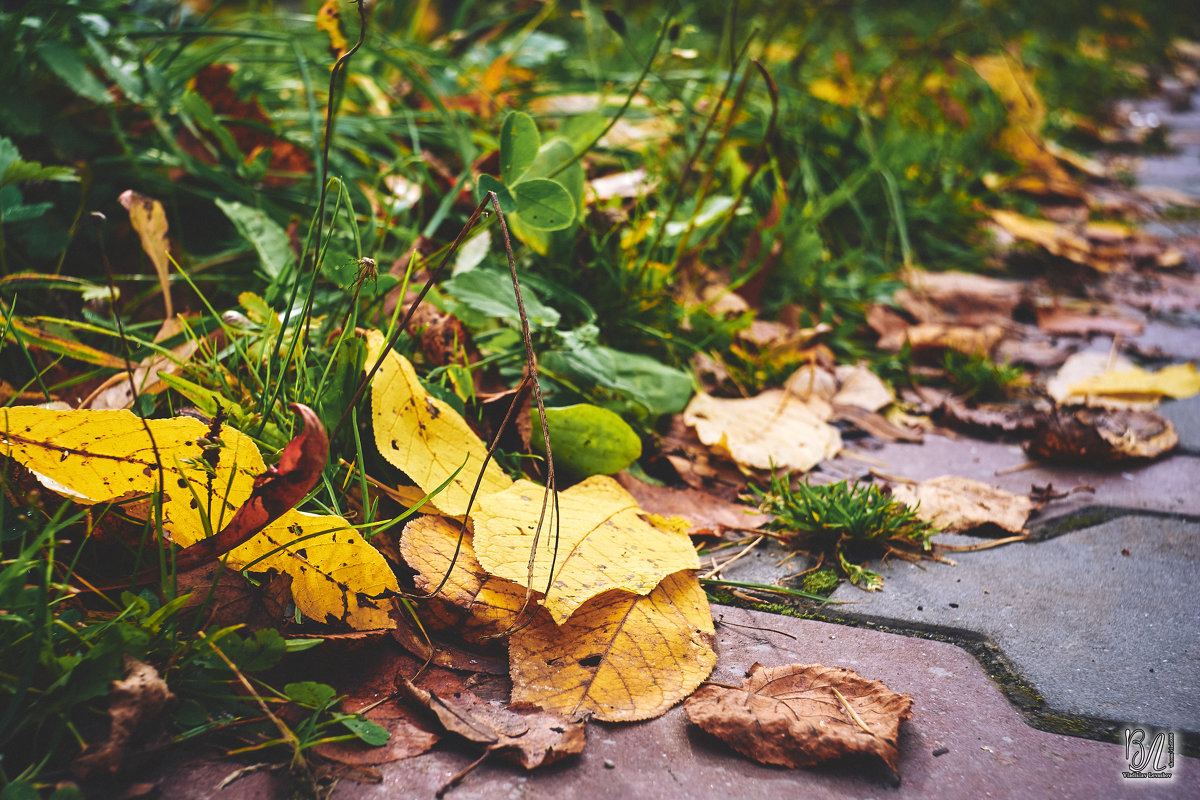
(424, 437)
(106, 456)
(621, 657)
(603, 543)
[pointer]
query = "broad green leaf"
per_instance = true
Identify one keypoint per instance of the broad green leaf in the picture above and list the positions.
(657, 389)
(519, 143)
(310, 693)
(268, 238)
(490, 292)
(369, 732)
(544, 205)
(63, 62)
(489, 184)
(588, 440)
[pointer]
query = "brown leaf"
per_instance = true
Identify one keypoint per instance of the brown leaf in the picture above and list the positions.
(708, 514)
(149, 219)
(1095, 436)
(227, 598)
(800, 716)
(960, 297)
(410, 736)
(521, 733)
(986, 420)
(135, 702)
(1086, 320)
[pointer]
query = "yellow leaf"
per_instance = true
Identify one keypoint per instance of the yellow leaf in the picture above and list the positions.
(603, 543)
(48, 333)
(424, 437)
(832, 91)
(1176, 381)
(105, 456)
(329, 20)
(773, 429)
(490, 605)
(622, 657)
(150, 221)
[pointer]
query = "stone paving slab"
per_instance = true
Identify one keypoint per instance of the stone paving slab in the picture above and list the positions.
(1166, 486)
(1185, 416)
(1095, 632)
(1103, 622)
(991, 752)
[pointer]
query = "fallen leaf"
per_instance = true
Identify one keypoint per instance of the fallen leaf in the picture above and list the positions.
(621, 657)
(602, 544)
(106, 456)
(329, 20)
(1094, 436)
(800, 716)
(408, 736)
(587, 439)
(149, 219)
(1081, 367)
(119, 392)
(1096, 245)
(960, 297)
(1086, 320)
(861, 388)
(424, 437)
(521, 733)
(135, 702)
(226, 597)
(1177, 381)
(706, 513)
(775, 429)
(957, 504)
(986, 420)
(487, 606)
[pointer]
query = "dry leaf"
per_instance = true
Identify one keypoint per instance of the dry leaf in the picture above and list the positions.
(149, 219)
(1136, 385)
(1085, 320)
(800, 716)
(119, 392)
(489, 605)
(706, 513)
(775, 429)
(135, 702)
(957, 504)
(620, 657)
(602, 544)
(961, 297)
(424, 436)
(1100, 246)
(521, 733)
(1094, 436)
(105, 456)
(1080, 367)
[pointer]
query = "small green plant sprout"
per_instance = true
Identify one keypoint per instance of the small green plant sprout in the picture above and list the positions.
(835, 516)
(977, 376)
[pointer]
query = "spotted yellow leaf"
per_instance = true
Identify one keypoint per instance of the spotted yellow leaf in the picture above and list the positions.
(105, 456)
(424, 437)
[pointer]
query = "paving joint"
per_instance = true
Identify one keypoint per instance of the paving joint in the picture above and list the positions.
(989, 655)
(1043, 530)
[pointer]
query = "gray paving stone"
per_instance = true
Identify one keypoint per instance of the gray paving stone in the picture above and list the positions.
(1168, 485)
(991, 752)
(1185, 416)
(1102, 622)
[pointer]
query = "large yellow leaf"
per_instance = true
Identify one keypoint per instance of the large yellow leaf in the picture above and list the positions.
(489, 605)
(425, 437)
(103, 456)
(603, 543)
(621, 656)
